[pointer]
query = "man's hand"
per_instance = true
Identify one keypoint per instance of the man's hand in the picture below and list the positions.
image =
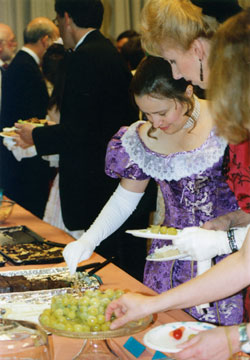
(25, 135)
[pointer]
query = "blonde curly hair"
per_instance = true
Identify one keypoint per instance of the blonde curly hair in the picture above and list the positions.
(229, 80)
(175, 22)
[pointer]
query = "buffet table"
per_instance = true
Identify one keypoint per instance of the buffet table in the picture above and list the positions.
(65, 348)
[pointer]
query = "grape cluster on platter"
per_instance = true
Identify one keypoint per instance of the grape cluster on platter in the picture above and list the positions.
(84, 313)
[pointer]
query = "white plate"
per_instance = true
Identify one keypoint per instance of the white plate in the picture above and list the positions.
(159, 338)
(6, 130)
(164, 254)
(145, 233)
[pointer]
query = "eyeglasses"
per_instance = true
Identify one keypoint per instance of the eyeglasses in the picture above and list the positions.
(55, 21)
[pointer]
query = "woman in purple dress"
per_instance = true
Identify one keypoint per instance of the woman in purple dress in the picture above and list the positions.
(177, 146)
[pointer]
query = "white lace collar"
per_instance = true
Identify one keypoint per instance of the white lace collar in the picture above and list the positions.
(174, 166)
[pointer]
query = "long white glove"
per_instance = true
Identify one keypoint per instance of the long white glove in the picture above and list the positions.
(202, 244)
(116, 211)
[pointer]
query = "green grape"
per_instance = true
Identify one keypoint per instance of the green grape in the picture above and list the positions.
(47, 312)
(105, 326)
(83, 316)
(60, 326)
(94, 301)
(105, 301)
(101, 310)
(71, 314)
(100, 319)
(45, 319)
(77, 327)
(93, 310)
(85, 328)
(69, 327)
(66, 300)
(96, 327)
(73, 307)
(91, 321)
(109, 293)
(58, 313)
(85, 300)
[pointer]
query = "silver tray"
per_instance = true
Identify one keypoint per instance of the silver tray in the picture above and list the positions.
(83, 281)
(41, 298)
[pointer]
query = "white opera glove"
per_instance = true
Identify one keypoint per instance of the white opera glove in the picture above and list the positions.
(116, 211)
(202, 244)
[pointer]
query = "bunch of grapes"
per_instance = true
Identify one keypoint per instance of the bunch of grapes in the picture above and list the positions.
(80, 314)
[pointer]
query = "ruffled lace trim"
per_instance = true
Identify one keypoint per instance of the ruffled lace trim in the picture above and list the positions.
(174, 166)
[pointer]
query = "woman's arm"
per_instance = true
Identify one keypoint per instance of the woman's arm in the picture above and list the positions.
(116, 211)
(224, 279)
(236, 218)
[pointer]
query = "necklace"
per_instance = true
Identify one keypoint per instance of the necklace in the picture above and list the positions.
(195, 114)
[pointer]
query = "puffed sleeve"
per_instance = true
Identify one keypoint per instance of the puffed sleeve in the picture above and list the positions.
(118, 164)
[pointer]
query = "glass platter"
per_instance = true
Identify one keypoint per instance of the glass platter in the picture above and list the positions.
(98, 345)
(129, 329)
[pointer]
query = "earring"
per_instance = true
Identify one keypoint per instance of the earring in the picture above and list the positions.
(201, 70)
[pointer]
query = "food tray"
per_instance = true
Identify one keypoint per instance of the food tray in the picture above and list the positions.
(30, 304)
(2, 260)
(13, 246)
(82, 279)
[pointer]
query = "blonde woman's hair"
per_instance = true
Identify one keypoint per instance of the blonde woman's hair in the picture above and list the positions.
(229, 81)
(175, 22)
(244, 3)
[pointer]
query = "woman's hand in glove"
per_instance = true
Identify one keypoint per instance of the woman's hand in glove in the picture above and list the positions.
(202, 244)
(77, 251)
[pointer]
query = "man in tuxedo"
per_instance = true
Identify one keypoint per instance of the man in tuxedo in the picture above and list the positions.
(24, 95)
(8, 46)
(96, 103)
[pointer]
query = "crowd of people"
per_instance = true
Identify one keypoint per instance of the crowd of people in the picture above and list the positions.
(195, 150)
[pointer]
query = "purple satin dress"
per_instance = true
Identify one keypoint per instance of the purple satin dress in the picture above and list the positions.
(194, 191)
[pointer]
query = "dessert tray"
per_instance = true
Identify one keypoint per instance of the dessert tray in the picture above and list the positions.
(21, 246)
(28, 305)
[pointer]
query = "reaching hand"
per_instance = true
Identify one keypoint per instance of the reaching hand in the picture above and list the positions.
(78, 251)
(202, 244)
(207, 345)
(128, 307)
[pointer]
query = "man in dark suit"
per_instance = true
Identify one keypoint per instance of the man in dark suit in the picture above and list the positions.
(96, 103)
(24, 95)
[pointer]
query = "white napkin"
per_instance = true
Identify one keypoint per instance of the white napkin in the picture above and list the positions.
(17, 151)
(20, 153)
